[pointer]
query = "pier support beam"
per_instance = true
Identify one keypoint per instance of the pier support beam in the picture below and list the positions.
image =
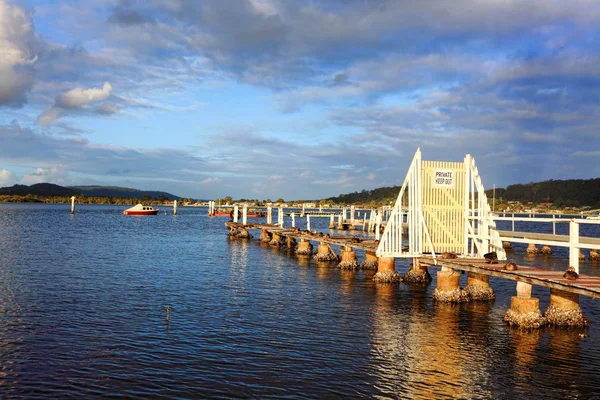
(348, 257)
(478, 287)
(325, 253)
(546, 249)
(524, 310)
(291, 243)
(448, 288)
(276, 240)
(564, 310)
(417, 274)
(386, 271)
(532, 249)
(265, 237)
(370, 260)
(244, 234)
(304, 248)
(331, 222)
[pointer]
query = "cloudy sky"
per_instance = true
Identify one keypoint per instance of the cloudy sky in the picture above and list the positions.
(295, 99)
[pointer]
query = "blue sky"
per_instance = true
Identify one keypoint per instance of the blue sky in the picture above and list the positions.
(295, 99)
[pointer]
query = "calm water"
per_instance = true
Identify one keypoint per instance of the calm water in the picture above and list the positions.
(82, 315)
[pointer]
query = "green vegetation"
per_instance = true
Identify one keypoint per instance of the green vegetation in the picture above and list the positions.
(375, 197)
(561, 193)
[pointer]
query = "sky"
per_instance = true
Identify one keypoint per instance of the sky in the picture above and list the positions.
(266, 99)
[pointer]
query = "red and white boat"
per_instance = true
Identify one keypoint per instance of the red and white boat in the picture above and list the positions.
(140, 209)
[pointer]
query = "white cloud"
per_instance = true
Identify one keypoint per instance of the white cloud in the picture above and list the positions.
(304, 174)
(371, 176)
(344, 180)
(57, 175)
(80, 97)
(76, 99)
(210, 181)
(7, 177)
(18, 54)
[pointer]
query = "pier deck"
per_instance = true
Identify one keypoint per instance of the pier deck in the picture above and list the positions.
(586, 285)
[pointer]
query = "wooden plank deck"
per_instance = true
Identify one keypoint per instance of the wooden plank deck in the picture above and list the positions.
(586, 285)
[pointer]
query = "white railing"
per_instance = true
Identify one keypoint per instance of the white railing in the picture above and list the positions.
(575, 242)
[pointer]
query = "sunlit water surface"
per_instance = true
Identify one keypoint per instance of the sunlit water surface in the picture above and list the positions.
(82, 315)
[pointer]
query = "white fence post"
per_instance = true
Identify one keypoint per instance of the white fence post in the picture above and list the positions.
(245, 214)
(574, 245)
(293, 220)
(235, 213)
(308, 222)
(269, 215)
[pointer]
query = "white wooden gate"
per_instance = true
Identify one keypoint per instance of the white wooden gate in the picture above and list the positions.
(446, 210)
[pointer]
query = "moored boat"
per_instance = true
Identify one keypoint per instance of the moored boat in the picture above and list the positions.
(140, 209)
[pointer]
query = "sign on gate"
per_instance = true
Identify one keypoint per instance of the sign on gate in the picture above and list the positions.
(443, 178)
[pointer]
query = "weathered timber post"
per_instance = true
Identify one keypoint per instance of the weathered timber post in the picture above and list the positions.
(378, 226)
(308, 222)
(293, 220)
(340, 222)
(174, 207)
(417, 273)
(331, 221)
(73, 204)
(370, 260)
(235, 213)
(524, 310)
(564, 310)
(546, 249)
(244, 234)
(532, 249)
(303, 205)
(478, 287)
(245, 214)
(291, 243)
(352, 215)
(348, 259)
(386, 272)
(448, 288)
(265, 237)
(325, 253)
(269, 215)
(276, 240)
(304, 248)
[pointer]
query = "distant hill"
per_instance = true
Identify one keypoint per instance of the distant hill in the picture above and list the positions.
(39, 189)
(52, 190)
(116, 191)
